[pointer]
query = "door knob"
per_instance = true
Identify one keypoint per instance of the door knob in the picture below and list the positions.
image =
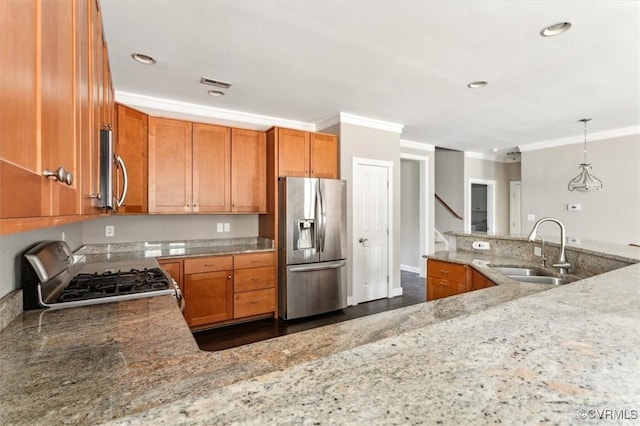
(363, 240)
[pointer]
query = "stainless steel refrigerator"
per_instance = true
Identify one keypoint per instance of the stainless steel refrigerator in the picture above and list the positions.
(312, 246)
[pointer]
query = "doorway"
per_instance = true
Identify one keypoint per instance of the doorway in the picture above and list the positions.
(480, 211)
(371, 234)
(414, 213)
(515, 207)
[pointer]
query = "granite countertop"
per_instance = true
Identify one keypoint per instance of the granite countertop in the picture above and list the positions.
(513, 353)
(144, 254)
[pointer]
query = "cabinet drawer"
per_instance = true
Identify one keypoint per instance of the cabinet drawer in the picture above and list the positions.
(207, 264)
(256, 302)
(254, 279)
(255, 260)
(447, 270)
(447, 285)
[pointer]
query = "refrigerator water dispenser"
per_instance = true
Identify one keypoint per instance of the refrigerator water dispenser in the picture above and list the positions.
(306, 235)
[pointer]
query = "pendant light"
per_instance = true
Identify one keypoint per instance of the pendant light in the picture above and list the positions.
(585, 181)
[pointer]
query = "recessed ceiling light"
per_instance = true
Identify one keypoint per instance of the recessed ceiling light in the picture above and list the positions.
(476, 84)
(494, 149)
(143, 59)
(216, 92)
(555, 29)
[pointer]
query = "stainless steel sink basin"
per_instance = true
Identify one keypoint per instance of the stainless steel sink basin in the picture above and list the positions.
(538, 279)
(521, 272)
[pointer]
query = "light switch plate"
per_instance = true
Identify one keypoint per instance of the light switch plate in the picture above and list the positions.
(537, 251)
(219, 227)
(480, 245)
(227, 227)
(531, 217)
(573, 207)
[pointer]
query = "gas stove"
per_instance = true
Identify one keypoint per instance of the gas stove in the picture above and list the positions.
(62, 284)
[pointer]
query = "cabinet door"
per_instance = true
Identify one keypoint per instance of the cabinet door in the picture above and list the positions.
(57, 102)
(208, 297)
(324, 156)
(132, 148)
(89, 178)
(293, 153)
(479, 281)
(248, 171)
(23, 191)
(211, 168)
(174, 268)
(170, 169)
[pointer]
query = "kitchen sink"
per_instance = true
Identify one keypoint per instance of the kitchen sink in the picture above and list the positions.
(519, 272)
(538, 279)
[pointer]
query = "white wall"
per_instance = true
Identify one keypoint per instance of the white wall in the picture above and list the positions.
(410, 214)
(364, 142)
(612, 214)
(13, 246)
(449, 185)
(130, 228)
(501, 173)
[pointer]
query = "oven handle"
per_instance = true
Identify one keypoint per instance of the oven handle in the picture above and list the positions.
(179, 296)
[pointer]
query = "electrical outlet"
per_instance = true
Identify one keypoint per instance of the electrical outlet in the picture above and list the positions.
(480, 245)
(219, 227)
(63, 237)
(537, 251)
(531, 217)
(227, 227)
(109, 231)
(573, 207)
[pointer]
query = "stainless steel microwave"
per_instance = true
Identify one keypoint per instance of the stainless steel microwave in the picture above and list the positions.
(108, 162)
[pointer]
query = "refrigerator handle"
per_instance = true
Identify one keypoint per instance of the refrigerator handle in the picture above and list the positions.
(318, 220)
(323, 217)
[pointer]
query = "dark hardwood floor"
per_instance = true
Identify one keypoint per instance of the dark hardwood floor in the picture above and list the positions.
(413, 291)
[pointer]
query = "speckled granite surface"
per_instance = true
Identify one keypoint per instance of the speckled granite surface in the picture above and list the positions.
(10, 307)
(125, 358)
(511, 353)
(539, 359)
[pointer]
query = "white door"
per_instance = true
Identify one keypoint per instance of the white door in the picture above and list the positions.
(515, 224)
(370, 231)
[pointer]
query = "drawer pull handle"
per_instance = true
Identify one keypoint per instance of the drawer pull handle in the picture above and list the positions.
(444, 283)
(208, 264)
(255, 302)
(254, 261)
(442, 271)
(255, 279)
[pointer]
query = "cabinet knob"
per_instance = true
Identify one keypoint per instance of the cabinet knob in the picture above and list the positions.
(188, 205)
(195, 205)
(229, 277)
(60, 174)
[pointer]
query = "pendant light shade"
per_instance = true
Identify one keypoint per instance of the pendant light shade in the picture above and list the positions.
(585, 181)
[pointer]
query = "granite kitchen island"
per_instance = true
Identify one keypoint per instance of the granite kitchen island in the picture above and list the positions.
(512, 353)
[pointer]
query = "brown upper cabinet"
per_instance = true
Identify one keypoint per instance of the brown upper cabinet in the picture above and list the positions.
(306, 154)
(248, 171)
(132, 132)
(48, 87)
(200, 168)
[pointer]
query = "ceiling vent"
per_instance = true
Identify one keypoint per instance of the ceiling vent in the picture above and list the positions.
(215, 83)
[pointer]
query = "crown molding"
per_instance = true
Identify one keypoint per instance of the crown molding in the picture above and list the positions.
(498, 158)
(371, 123)
(187, 110)
(417, 145)
(591, 137)
(326, 123)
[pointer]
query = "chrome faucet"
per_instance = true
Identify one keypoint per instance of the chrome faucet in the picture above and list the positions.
(562, 264)
(544, 258)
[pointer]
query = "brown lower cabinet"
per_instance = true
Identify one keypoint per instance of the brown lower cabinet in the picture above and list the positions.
(446, 279)
(222, 289)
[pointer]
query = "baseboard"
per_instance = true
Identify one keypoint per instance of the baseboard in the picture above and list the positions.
(407, 268)
(351, 301)
(396, 291)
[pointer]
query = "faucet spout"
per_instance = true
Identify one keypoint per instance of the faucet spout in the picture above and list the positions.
(562, 264)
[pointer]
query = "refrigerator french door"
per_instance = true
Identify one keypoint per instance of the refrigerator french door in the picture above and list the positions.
(312, 246)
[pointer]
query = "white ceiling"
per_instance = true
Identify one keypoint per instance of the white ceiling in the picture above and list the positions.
(406, 62)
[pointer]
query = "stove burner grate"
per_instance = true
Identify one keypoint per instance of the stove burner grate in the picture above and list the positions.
(108, 284)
